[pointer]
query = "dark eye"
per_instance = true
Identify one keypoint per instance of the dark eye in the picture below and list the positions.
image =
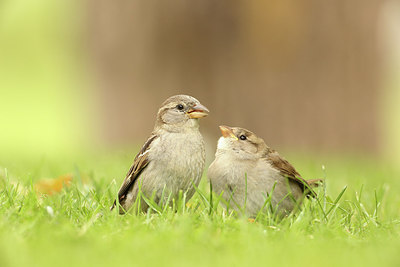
(242, 137)
(179, 106)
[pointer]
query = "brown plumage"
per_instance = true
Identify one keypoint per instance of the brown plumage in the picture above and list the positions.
(289, 171)
(173, 157)
(243, 161)
(139, 163)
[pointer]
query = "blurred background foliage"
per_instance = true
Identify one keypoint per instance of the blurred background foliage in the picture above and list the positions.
(306, 76)
(42, 97)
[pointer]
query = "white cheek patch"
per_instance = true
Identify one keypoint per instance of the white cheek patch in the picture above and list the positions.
(223, 143)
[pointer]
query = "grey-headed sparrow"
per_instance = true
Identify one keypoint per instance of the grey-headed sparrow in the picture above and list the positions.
(243, 161)
(173, 157)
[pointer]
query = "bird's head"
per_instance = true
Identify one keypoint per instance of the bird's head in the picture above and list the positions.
(241, 143)
(180, 111)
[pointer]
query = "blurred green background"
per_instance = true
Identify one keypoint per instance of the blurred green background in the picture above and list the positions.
(44, 98)
(315, 77)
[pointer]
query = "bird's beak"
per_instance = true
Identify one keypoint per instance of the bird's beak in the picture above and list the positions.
(227, 132)
(197, 111)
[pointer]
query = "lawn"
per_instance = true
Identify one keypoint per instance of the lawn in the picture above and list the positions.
(355, 220)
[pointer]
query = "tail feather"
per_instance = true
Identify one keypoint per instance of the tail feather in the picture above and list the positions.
(113, 205)
(315, 182)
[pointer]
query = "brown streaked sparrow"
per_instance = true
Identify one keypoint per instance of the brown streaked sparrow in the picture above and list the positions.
(173, 157)
(243, 161)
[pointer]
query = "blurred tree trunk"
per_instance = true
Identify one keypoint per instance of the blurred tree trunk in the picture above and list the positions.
(300, 74)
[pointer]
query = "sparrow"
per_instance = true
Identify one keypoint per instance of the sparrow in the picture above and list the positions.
(171, 160)
(243, 162)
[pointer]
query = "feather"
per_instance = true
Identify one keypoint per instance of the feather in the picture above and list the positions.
(139, 164)
(289, 171)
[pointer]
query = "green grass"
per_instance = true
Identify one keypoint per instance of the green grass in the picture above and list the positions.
(359, 227)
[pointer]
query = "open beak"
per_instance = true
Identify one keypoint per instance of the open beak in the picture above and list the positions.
(227, 132)
(198, 111)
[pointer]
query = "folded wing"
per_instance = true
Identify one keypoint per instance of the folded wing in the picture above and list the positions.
(289, 171)
(139, 164)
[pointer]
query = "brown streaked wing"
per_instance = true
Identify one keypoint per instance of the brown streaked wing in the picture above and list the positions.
(288, 170)
(139, 163)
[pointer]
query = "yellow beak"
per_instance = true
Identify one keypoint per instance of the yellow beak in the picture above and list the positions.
(227, 132)
(198, 111)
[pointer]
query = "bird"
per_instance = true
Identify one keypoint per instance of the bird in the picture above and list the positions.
(171, 160)
(248, 174)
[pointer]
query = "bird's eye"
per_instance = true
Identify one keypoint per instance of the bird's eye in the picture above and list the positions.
(179, 106)
(242, 137)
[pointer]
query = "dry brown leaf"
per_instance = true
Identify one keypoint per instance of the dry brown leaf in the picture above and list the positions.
(52, 186)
